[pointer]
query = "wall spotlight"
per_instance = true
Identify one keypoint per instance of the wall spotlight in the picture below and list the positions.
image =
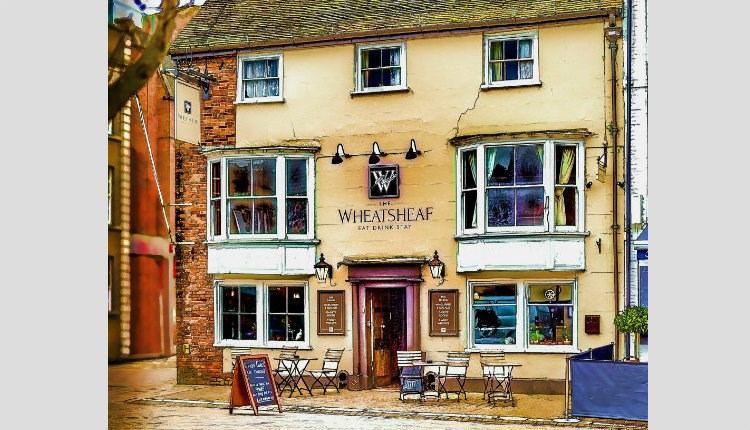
(376, 153)
(339, 153)
(589, 184)
(413, 152)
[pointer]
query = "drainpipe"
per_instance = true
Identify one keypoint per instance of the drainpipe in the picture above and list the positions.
(628, 196)
(613, 34)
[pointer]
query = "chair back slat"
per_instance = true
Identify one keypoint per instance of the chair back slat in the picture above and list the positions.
(491, 358)
(407, 358)
(332, 358)
(333, 354)
(286, 353)
(457, 363)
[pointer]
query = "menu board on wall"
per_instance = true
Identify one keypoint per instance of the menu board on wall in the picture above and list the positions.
(331, 312)
(443, 312)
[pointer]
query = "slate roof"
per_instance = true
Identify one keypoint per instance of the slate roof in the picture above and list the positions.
(231, 24)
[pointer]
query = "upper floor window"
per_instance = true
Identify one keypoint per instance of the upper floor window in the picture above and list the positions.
(260, 79)
(381, 68)
(511, 60)
(509, 187)
(260, 197)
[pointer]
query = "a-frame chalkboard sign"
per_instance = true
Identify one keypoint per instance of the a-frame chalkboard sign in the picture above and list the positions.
(252, 383)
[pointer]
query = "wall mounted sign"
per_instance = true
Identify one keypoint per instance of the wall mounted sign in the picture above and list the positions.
(443, 312)
(331, 312)
(252, 383)
(187, 111)
(383, 181)
(385, 217)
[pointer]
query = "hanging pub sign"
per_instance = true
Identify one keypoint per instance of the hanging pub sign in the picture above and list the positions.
(331, 312)
(187, 111)
(252, 383)
(383, 181)
(443, 312)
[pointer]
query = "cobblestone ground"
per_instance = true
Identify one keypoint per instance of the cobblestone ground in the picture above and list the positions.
(143, 395)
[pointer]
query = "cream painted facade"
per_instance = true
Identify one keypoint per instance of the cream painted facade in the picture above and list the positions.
(445, 100)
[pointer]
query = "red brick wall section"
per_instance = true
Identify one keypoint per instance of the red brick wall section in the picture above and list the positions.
(194, 286)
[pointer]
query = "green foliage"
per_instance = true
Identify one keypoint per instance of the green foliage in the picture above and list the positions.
(633, 319)
(535, 335)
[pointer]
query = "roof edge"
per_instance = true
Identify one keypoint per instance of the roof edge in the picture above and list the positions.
(426, 30)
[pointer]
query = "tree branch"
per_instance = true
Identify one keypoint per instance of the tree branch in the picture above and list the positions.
(135, 76)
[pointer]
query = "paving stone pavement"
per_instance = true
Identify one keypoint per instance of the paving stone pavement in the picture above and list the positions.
(150, 385)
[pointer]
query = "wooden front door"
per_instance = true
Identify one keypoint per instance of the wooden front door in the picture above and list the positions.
(386, 332)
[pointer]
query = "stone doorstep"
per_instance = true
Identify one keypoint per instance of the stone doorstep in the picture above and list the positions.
(614, 425)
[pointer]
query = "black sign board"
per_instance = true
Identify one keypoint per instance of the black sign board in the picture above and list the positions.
(383, 181)
(252, 383)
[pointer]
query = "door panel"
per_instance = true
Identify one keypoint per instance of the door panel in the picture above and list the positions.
(386, 332)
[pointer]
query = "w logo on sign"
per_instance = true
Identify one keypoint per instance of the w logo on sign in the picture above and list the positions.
(383, 181)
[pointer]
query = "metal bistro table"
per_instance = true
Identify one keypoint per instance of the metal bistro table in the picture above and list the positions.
(424, 370)
(295, 369)
(500, 377)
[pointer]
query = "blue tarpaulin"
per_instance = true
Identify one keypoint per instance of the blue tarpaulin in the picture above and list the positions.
(604, 388)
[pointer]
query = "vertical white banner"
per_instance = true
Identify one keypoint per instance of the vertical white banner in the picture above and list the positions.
(187, 100)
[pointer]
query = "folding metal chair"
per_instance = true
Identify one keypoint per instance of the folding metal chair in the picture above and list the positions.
(283, 371)
(497, 376)
(410, 376)
(329, 370)
(457, 365)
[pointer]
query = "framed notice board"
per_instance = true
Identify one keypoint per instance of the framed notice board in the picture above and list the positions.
(252, 383)
(331, 312)
(443, 312)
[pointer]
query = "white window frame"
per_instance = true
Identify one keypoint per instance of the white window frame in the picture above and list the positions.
(360, 88)
(110, 187)
(534, 36)
(281, 221)
(261, 312)
(548, 181)
(241, 59)
(522, 316)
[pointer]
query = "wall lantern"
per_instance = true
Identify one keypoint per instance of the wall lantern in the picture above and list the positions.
(374, 157)
(413, 152)
(339, 153)
(323, 270)
(437, 268)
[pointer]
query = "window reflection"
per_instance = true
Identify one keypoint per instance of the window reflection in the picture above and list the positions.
(494, 308)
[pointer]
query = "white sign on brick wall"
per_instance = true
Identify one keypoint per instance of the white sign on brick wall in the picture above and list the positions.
(187, 112)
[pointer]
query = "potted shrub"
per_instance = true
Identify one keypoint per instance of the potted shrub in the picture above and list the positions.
(633, 319)
(566, 336)
(535, 336)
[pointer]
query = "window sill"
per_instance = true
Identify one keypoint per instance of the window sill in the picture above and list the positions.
(520, 234)
(255, 345)
(379, 91)
(256, 241)
(552, 349)
(511, 84)
(260, 101)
